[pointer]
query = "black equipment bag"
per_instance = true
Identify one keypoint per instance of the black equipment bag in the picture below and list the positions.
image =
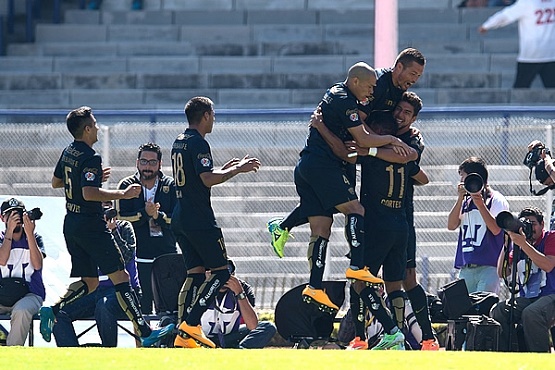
(482, 334)
(454, 298)
(297, 321)
(168, 275)
(12, 290)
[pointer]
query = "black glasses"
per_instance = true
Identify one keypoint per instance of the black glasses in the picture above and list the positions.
(144, 162)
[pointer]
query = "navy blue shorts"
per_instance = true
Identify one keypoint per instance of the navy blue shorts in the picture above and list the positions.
(204, 248)
(322, 187)
(386, 249)
(91, 246)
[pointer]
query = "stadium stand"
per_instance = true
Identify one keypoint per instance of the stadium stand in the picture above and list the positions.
(250, 54)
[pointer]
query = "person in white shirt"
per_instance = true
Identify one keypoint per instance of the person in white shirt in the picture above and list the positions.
(536, 28)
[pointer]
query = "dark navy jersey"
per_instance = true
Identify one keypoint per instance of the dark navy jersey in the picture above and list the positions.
(414, 139)
(386, 94)
(80, 166)
(339, 113)
(383, 190)
(191, 156)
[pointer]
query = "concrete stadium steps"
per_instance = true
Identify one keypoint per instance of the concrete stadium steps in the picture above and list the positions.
(242, 64)
(280, 15)
(432, 203)
(256, 55)
(144, 81)
(334, 265)
(411, 32)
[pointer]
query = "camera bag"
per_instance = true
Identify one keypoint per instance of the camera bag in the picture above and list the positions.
(454, 298)
(482, 334)
(12, 290)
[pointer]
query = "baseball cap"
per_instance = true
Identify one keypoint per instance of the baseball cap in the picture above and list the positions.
(11, 203)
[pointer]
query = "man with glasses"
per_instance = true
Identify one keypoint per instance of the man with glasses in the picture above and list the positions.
(150, 213)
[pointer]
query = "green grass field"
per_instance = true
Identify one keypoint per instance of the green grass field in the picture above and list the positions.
(282, 359)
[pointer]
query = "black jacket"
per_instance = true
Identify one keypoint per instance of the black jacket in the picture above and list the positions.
(133, 210)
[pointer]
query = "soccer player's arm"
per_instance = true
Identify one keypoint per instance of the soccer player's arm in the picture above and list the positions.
(387, 153)
(420, 178)
(337, 146)
(232, 168)
(368, 139)
(57, 181)
(91, 182)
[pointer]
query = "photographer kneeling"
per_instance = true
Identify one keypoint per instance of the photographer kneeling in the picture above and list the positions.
(534, 308)
(21, 254)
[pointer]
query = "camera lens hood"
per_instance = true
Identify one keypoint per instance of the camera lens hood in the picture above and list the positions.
(473, 183)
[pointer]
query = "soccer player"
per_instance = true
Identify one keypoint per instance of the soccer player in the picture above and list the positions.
(89, 241)
(324, 182)
(194, 223)
(406, 113)
(390, 86)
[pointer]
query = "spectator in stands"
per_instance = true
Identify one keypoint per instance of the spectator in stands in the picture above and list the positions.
(102, 304)
(536, 30)
(534, 308)
(150, 213)
(231, 322)
(95, 4)
(21, 257)
(480, 238)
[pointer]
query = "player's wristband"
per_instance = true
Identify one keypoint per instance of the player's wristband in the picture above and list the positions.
(372, 152)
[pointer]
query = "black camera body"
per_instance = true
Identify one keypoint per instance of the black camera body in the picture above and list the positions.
(506, 220)
(34, 214)
(110, 213)
(534, 156)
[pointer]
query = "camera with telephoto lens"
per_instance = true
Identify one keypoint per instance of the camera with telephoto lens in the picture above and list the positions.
(473, 183)
(534, 156)
(506, 220)
(110, 213)
(34, 214)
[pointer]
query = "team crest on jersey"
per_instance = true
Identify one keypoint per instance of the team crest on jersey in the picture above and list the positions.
(353, 114)
(89, 176)
(205, 162)
(165, 189)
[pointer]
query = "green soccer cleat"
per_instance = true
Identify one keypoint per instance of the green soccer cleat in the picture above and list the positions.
(279, 236)
(395, 341)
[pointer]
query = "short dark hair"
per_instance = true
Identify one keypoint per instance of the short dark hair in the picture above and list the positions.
(475, 165)
(77, 119)
(150, 147)
(196, 107)
(409, 55)
(532, 211)
(382, 122)
(414, 100)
